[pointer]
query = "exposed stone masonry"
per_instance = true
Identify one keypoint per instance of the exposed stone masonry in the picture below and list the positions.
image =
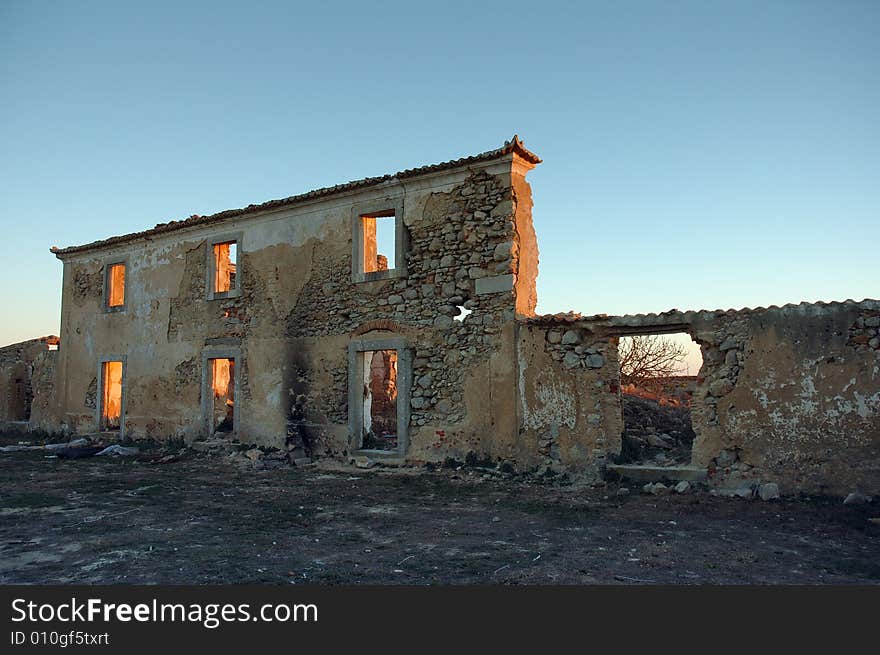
(786, 396)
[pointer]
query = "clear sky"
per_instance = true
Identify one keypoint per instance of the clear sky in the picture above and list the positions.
(696, 154)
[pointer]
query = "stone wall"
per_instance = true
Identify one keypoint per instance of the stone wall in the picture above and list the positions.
(42, 418)
(568, 388)
(470, 250)
(788, 395)
(18, 382)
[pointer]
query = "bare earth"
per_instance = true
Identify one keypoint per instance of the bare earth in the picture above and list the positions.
(214, 520)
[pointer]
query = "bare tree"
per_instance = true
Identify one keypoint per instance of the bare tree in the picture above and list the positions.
(644, 359)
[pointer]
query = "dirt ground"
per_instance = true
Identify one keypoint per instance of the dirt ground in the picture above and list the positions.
(209, 519)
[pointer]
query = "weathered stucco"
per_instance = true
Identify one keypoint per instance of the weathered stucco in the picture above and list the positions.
(299, 309)
(26, 371)
(789, 395)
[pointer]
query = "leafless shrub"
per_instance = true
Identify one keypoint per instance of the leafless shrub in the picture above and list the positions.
(645, 359)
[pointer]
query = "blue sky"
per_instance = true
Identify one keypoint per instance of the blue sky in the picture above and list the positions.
(696, 154)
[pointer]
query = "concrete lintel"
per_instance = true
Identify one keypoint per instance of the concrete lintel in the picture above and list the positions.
(495, 284)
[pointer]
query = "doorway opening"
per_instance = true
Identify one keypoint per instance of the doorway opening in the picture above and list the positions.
(111, 395)
(379, 430)
(222, 416)
(658, 374)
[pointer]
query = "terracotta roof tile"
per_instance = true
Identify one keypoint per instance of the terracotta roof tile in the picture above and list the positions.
(514, 145)
(677, 315)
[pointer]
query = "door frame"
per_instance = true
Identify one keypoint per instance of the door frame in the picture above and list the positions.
(356, 391)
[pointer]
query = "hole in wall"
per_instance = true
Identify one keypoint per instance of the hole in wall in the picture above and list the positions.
(463, 312)
(658, 375)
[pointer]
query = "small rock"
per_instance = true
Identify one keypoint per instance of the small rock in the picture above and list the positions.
(623, 491)
(254, 454)
(683, 487)
(657, 441)
(728, 344)
(744, 492)
(769, 491)
(364, 462)
(659, 489)
(502, 251)
(857, 499)
(570, 338)
(720, 387)
(655, 488)
(726, 458)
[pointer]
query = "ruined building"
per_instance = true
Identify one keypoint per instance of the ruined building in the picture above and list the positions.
(395, 316)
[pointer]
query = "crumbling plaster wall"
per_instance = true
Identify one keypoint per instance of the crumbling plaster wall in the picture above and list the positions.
(568, 389)
(789, 395)
(18, 382)
(298, 309)
(464, 252)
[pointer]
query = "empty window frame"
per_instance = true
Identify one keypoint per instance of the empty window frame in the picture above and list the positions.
(379, 251)
(224, 271)
(378, 240)
(115, 285)
(110, 417)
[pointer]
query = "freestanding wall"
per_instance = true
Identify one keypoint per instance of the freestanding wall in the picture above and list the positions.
(786, 394)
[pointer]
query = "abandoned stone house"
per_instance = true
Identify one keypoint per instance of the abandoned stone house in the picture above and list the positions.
(394, 316)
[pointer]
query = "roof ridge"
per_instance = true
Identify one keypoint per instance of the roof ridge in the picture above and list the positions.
(514, 145)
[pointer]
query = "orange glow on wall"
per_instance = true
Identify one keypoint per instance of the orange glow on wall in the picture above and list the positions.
(224, 266)
(111, 406)
(116, 280)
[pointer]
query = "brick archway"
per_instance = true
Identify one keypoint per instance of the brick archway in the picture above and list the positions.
(377, 324)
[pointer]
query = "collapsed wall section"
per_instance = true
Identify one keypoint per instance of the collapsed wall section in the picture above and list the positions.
(785, 394)
(23, 384)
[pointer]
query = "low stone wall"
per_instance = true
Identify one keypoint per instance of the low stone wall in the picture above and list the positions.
(786, 394)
